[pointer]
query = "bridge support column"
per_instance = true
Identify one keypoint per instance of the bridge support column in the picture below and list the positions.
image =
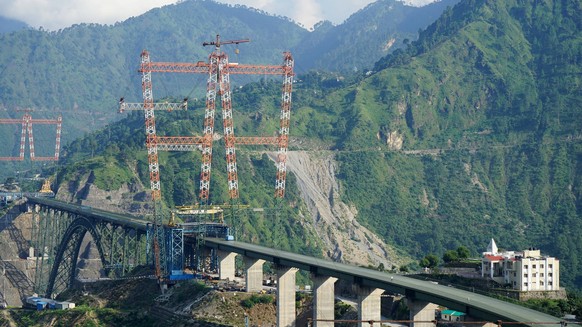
(323, 301)
(286, 296)
(369, 305)
(254, 274)
(226, 265)
(421, 311)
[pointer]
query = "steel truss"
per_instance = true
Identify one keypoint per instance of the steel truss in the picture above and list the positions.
(57, 237)
(26, 123)
(218, 69)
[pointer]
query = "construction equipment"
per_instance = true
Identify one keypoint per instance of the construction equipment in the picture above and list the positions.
(218, 83)
(46, 187)
(27, 122)
(218, 69)
(208, 210)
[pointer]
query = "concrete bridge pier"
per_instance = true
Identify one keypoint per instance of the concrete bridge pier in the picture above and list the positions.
(286, 315)
(421, 311)
(369, 305)
(254, 274)
(323, 301)
(226, 267)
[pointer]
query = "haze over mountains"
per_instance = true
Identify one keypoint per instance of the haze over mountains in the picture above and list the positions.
(470, 133)
(59, 14)
(10, 25)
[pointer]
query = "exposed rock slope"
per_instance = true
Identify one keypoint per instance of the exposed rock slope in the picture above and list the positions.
(335, 221)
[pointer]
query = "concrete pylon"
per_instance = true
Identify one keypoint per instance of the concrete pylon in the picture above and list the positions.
(421, 311)
(323, 301)
(226, 266)
(369, 305)
(286, 296)
(254, 274)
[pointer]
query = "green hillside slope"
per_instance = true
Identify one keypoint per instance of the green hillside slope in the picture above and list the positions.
(81, 71)
(493, 89)
(471, 133)
(366, 36)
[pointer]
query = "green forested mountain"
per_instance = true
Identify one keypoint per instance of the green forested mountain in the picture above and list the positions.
(493, 90)
(366, 36)
(470, 133)
(84, 69)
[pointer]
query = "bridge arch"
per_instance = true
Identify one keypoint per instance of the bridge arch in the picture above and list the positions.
(64, 268)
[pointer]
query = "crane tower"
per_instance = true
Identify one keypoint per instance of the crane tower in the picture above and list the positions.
(218, 70)
(26, 122)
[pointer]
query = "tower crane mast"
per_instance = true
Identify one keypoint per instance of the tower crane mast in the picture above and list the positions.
(218, 70)
(218, 83)
(27, 122)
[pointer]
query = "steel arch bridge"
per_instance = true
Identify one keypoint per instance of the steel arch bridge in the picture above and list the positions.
(59, 229)
(58, 232)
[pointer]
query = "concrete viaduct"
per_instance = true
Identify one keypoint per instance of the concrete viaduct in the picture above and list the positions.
(422, 296)
(370, 285)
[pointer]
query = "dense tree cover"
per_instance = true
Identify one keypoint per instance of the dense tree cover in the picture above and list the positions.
(492, 86)
(488, 114)
(369, 34)
(84, 69)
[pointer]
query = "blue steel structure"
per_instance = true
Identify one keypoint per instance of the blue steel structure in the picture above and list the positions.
(123, 242)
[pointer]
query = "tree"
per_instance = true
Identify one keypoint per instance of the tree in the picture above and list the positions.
(463, 252)
(380, 267)
(450, 256)
(429, 261)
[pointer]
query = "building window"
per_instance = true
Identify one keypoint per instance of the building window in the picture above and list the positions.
(550, 266)
(525, 284)
(514, 283)
(533, 266)
(542, 266)
(550, 274)
(550, 283)
(541, 274)
(524, 266)
(541, 283)
(525, 275)
(514, 274)
(534, 275)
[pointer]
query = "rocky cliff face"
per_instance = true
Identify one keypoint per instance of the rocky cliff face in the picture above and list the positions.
(17, 267)
(129, 198)
(335, 221)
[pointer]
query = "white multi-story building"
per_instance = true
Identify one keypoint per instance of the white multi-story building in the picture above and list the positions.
(527, 270)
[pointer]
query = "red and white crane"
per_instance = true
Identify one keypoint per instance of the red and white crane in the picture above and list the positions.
(218, 84)
(27, 121)
(218, 70)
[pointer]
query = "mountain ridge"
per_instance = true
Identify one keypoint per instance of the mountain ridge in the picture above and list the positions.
(89, 66)
(481, 90)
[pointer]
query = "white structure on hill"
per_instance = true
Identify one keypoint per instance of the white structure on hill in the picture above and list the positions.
(527, 270)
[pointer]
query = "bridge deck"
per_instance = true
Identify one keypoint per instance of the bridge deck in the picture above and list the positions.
(475, 305)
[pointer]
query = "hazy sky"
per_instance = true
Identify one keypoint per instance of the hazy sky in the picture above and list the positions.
(56, 14)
